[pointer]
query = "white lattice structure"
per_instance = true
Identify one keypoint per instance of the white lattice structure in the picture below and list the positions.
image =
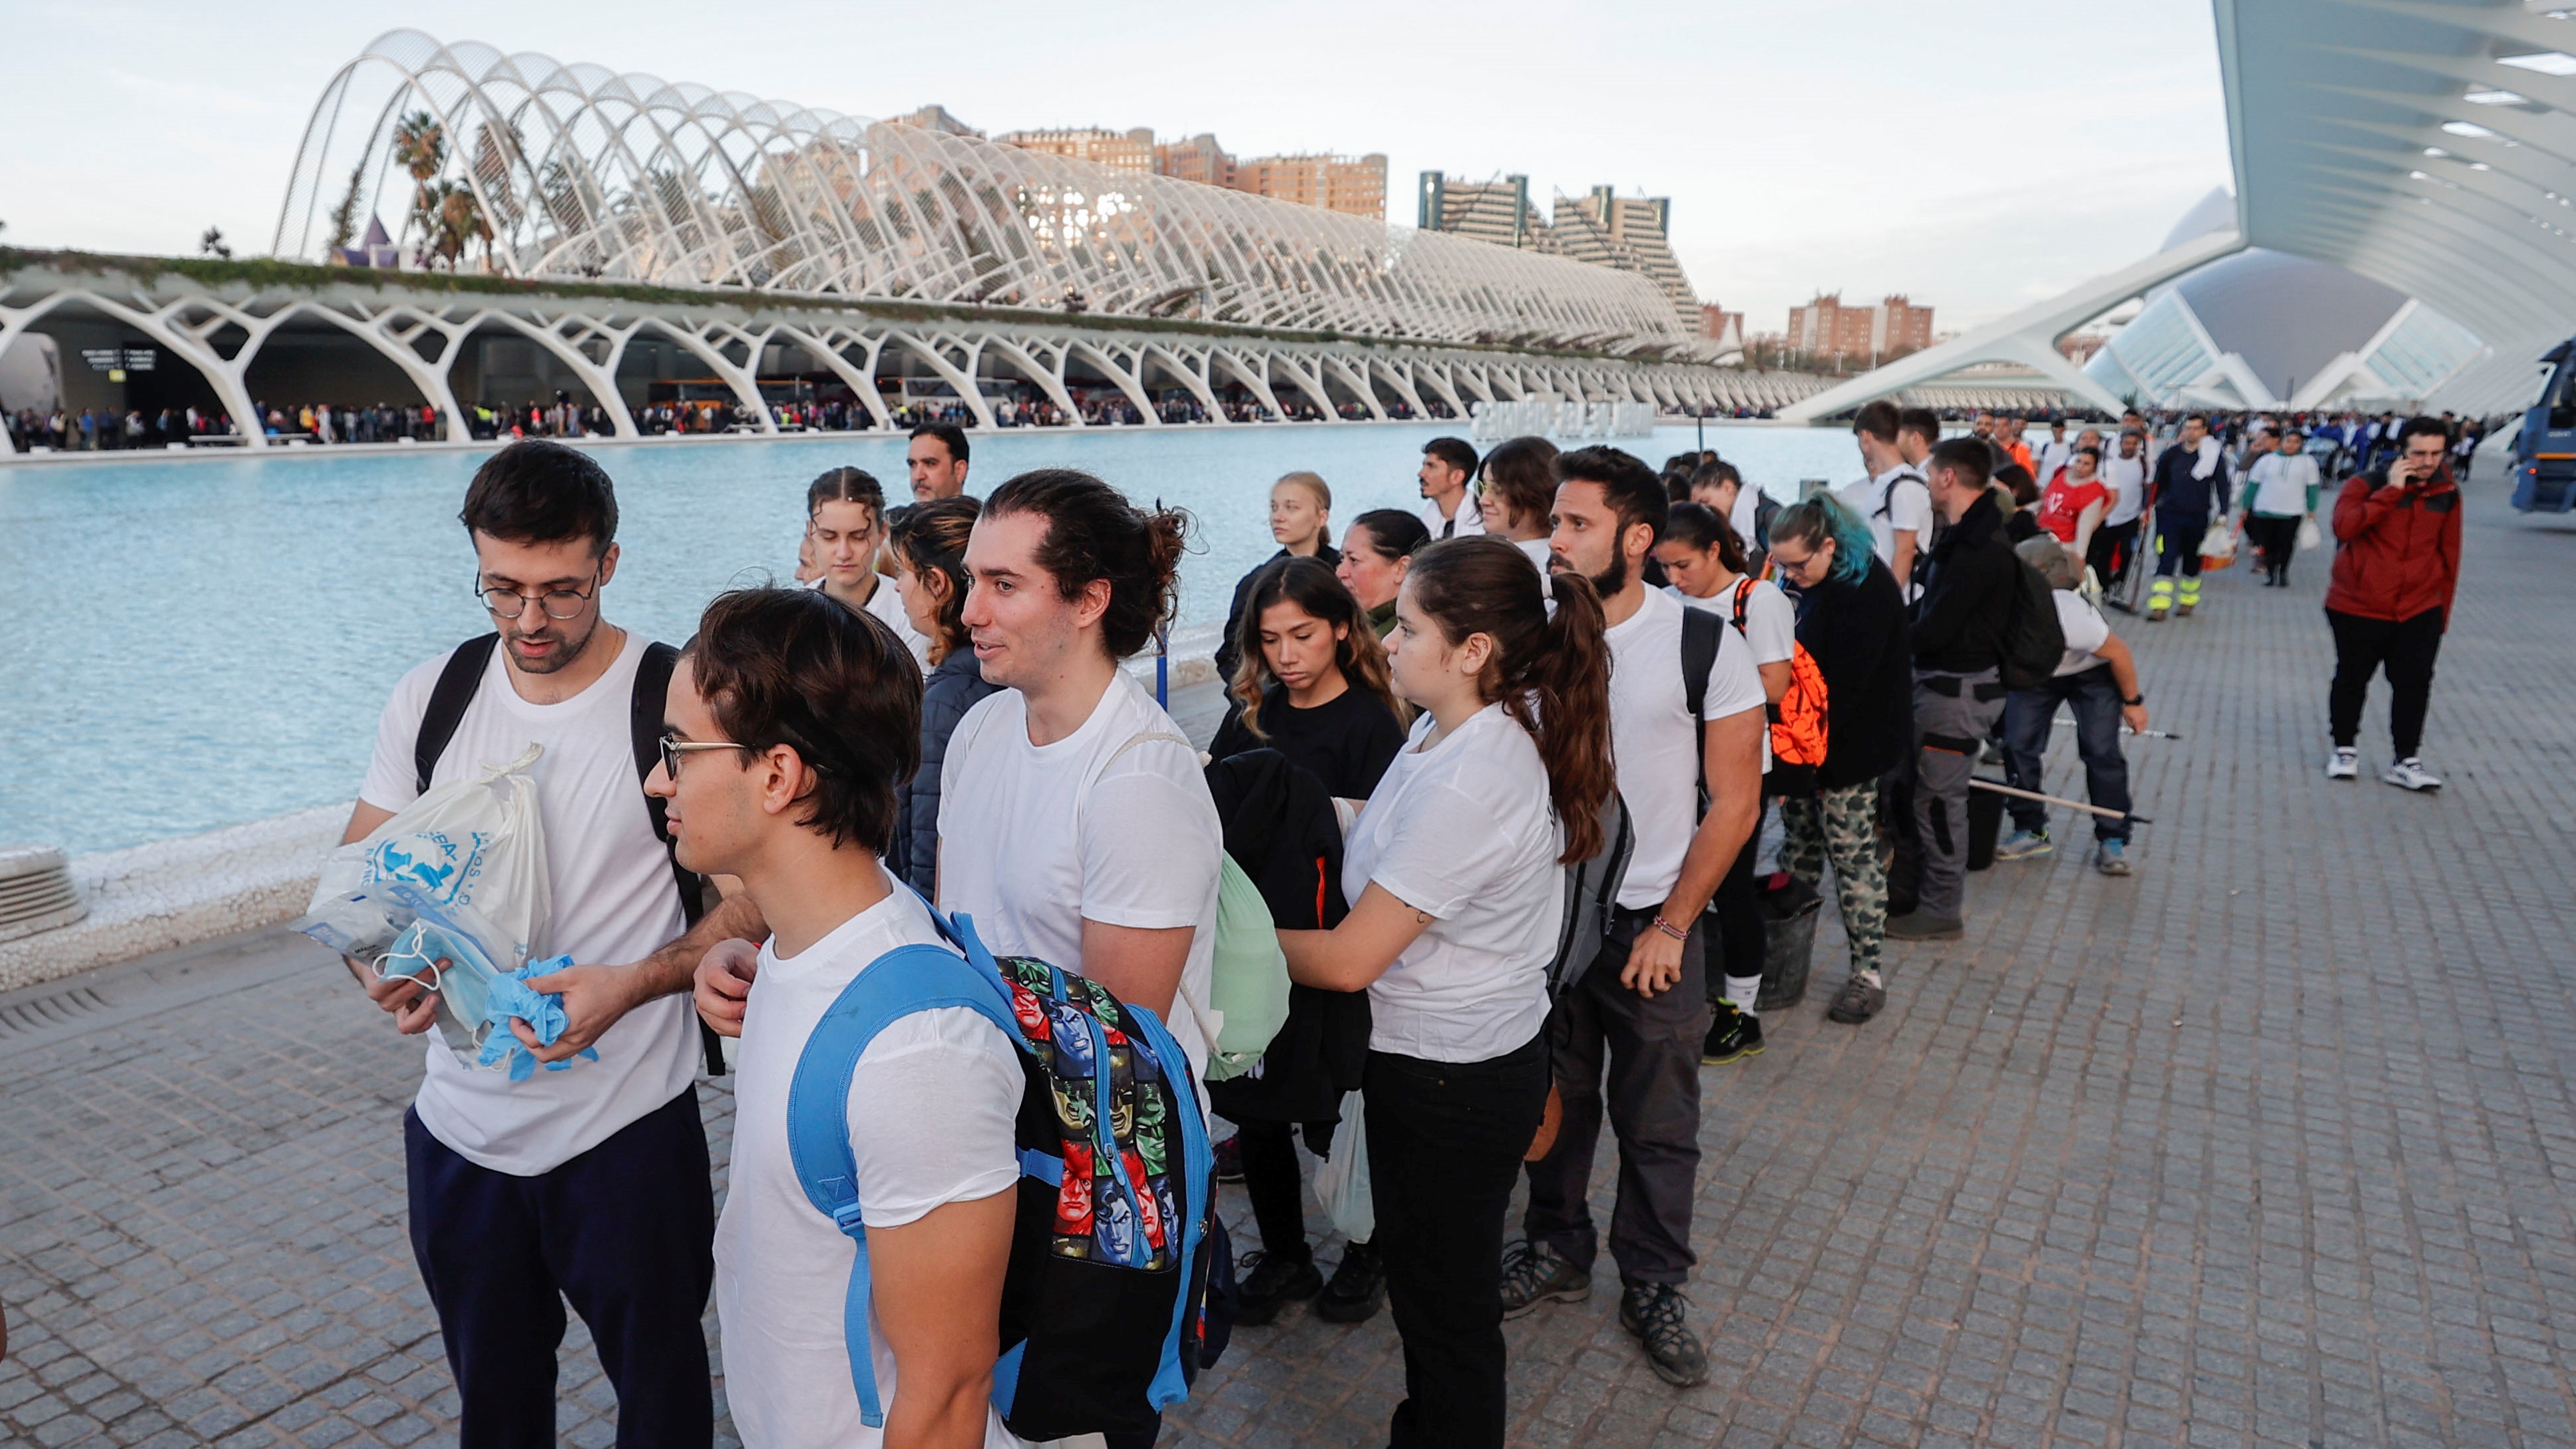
(582, 172)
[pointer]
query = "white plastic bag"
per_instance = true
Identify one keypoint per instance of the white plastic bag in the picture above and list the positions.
(2309, 536)
(1342, 1182)
(475, 842)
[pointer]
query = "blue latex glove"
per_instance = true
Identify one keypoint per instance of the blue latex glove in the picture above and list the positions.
(541, 1010)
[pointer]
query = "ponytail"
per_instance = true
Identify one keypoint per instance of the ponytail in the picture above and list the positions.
(1550, 674)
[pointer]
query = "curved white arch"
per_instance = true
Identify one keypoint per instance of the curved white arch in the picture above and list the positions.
(581, 172)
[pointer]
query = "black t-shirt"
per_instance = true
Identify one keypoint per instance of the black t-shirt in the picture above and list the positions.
(1347, 742)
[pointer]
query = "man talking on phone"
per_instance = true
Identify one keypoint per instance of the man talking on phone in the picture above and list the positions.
(2396, 566)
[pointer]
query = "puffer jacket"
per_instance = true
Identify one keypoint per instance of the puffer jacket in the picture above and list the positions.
(953, 688)
(2397, 550)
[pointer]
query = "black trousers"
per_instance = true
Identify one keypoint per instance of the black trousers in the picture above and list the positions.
(1275, 1182)
(2178, 537)
(2278, 538)
(1742, 943)
(625, 1230)
(1444, 1144)
(2405, 649)
(1651, 1047)
(2112, 551)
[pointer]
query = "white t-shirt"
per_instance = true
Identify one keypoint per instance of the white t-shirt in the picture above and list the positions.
(1463, 832)
(886, 603)
(1471, 519)
(614, 902)
(1655, 742)
(1537, 549)
(1035, 839)
(931, 1111)
(1893, 502)
(2281, 483)
(1770, 620)
(2054, 454)
(1748, 502)
(2127, 480)
(2085, 629)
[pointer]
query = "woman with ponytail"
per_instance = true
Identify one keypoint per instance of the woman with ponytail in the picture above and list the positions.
(1452, 869)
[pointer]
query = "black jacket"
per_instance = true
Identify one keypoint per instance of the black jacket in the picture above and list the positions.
(1347, 743)
(1858, 636)
(1281, 830)
(1968, 593)
(1229, 652)
(2180, 495)
(953, 688)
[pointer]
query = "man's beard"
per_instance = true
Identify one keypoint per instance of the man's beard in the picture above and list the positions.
(1614, 579)
(567, 649)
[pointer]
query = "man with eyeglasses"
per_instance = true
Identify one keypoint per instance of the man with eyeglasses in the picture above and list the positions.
(591, 1183)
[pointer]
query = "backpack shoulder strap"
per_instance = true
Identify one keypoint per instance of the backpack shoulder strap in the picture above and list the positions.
(457, 682)
(1743, 592)
(905, 980)
(1702, 635)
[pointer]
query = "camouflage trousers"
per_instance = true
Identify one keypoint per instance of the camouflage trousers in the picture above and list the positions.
(1841, 824)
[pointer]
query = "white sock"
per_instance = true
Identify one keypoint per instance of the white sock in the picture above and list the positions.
(1744, 991)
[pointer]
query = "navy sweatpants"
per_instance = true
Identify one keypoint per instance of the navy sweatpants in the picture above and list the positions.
(626, 1231)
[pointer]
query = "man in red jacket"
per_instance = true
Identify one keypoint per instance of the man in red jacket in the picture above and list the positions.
(2396, 565)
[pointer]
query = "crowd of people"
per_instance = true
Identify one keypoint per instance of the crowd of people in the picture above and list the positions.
(1497, 769)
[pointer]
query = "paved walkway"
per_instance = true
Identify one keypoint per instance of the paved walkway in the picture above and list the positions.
(2273, 1143)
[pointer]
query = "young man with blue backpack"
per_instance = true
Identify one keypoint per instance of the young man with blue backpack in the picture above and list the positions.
(903, 1258)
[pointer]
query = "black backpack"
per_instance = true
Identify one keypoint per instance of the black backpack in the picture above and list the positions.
(456, 686)
(2033, 642)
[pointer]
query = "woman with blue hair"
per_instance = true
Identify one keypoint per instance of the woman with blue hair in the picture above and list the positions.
(1851, 621)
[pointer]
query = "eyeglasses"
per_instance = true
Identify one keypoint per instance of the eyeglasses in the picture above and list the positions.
(673, 749)
(1791, 565)
(558, 603)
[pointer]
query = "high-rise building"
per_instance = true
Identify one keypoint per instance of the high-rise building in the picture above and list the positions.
(1352, 185)
(1496, 211)
(936, 118)
(1719, 325)
(1117, 150)
(1629, 233)
(1198, 159)
(1826, 327)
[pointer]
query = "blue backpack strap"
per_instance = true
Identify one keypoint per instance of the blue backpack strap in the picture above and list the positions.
(903, 981)
(1198, 1177)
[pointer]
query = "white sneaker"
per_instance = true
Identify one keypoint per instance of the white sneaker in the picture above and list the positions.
(2410, 774)
(2345, 764)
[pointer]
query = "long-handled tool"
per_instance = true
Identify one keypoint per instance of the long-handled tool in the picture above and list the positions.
(2000, 788)
(2068, 720)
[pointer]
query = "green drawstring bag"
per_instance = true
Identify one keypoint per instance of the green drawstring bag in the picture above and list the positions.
(1248, 993)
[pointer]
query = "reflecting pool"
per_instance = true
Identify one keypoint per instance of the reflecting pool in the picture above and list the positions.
(195, 643)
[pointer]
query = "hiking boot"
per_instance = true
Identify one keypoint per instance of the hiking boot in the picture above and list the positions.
(1271, 1282)
(2410, 774)
(1229, 1160)
(2111, 857)
(1732, 1036)
(1857, 1002)
(1534, 1272)
(1916, 926)
(1358, 1288)
(1658, 1316)
(2344, 764)
(2024, 845)
(2183, 609)
(2156, 611)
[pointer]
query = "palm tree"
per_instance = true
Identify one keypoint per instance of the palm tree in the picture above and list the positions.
(420, 147)
(456, 221)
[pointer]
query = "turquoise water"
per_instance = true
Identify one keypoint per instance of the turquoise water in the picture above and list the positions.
(195, 644)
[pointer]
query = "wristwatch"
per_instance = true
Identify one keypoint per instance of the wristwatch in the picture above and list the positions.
(2134, 703)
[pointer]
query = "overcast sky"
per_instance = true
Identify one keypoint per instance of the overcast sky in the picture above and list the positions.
(1978, 154)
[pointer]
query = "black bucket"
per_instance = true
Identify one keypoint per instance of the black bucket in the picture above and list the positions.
(1789, 926)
